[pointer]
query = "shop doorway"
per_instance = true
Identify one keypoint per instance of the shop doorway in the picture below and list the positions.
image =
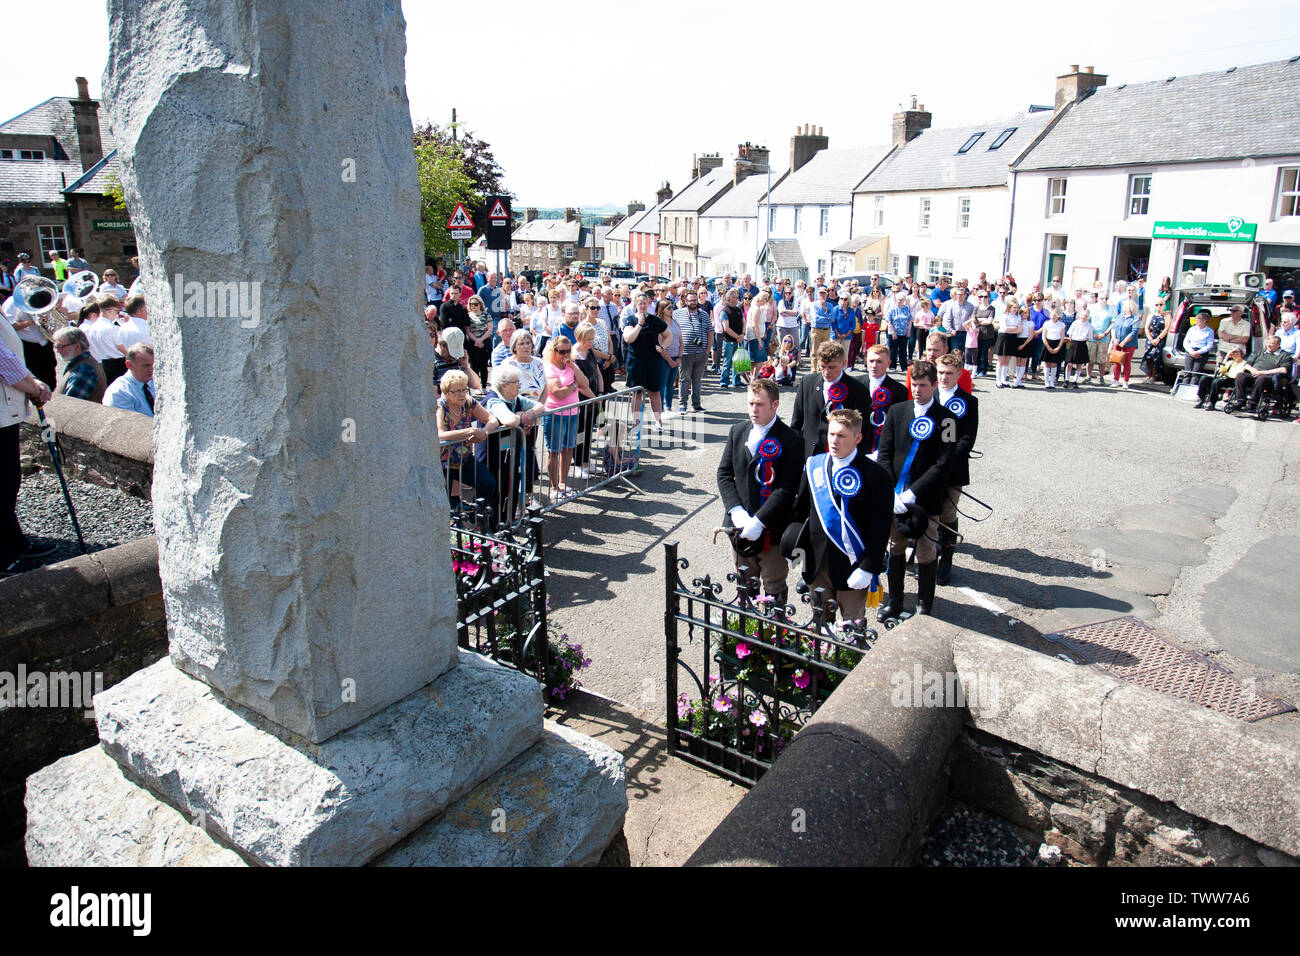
(1132, 257)
(1281, 264)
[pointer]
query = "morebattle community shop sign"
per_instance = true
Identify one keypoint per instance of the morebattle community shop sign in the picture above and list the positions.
(1234, 230)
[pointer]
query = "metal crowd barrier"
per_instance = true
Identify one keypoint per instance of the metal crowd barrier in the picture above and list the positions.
(608, 449)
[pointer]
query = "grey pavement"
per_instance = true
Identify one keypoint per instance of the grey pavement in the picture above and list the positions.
(1105, 503)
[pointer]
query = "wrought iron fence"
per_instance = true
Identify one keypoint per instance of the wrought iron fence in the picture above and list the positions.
(501, 591)
(497, 482)
(762, 674)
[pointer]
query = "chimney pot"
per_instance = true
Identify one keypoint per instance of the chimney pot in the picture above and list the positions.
(1074, 68)
(83, 88)
(1087, 69)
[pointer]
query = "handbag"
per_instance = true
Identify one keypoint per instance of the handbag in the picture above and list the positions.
(1116, 357)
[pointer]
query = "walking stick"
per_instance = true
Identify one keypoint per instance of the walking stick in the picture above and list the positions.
(48, 434)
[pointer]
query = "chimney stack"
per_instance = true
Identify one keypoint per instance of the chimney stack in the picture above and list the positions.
(530, 214)
(910, 123)
(664, 193)
(635, 207)
(703, 163)
(750, 159)
(571, 215)
(805, 144)
(85, 116)
(1073, 86)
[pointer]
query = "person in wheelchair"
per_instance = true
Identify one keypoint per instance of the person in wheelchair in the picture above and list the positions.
(1268, 369)
(1210, 390)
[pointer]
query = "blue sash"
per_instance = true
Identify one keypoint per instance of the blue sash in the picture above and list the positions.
(835, 519)
(920, 429)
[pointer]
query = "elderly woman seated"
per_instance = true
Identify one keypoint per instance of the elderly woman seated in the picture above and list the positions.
(463, 425)
(509, 455)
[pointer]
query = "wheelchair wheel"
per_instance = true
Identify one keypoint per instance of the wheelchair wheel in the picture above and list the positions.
(1261, 413)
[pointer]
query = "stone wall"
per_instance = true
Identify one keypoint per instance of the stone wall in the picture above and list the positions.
(102, 445)
(101, 248)
(1094, 821)
(99, 614)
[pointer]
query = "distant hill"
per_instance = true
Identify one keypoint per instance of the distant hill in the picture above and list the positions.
(590, 214)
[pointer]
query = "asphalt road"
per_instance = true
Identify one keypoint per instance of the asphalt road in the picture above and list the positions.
(1105, 503)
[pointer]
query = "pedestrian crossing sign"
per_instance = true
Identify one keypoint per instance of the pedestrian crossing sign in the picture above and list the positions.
(460, 218)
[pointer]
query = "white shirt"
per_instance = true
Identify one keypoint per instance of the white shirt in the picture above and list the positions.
(1053, 330)
(133, 330)
(14, 314)
(874, 383)
(920, 409)
(837, 464)
(945, 397)
(826, 388)
(756, 435)
(104, 337)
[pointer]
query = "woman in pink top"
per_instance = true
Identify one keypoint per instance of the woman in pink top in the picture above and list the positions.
(563, 379)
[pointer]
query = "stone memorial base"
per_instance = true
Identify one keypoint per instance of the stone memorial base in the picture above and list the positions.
(462, 772)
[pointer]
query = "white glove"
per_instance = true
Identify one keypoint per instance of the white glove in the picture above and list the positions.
(900, 506)
(908, 497)
(874, 456)
(859, 580)
(739, 517)
(753, 530)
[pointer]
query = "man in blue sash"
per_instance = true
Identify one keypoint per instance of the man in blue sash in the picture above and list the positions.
(757, 479)
(917, 447)
(845, 497)
(966, 408)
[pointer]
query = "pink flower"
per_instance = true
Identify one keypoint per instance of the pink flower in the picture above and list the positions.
(763, 599)
(801, 679)
(723, 704)
(742, 650)
(758, 718)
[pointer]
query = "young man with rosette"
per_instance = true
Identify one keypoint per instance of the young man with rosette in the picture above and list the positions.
(965, 407)
(822, 392)
(917, 448)
(842, 517)
(757, 479)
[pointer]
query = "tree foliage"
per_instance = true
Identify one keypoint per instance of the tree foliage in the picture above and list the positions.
(480, 165)
(114, 190)
(443, 183)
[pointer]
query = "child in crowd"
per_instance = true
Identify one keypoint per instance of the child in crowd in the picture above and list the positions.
(787, 362)
(1079, 334)
(1053, 333)
(971, 358)
(1025, 344)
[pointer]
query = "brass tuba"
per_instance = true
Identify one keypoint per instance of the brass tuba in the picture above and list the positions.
(39, 298)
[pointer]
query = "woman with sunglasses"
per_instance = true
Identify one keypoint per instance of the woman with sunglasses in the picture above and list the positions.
(563, 382)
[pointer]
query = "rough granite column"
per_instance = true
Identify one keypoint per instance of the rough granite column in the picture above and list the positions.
(298, 503)
(315, 709)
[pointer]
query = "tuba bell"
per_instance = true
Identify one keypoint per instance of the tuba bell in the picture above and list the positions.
(39, 298)
(81, 284)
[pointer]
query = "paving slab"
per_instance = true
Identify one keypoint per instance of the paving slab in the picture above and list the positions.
(1179, 518)
(1249, 612)
(1162, 552)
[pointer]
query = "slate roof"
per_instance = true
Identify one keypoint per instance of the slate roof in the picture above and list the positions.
(548, 230)
(931, 161)
(42, 182)
(858, 244)
(94, 181)
(1227, 114)
(619, 231)
(594, 237)
(784, 254)
(701, 191)
(741, 202)
(828, 178)
(647, 221)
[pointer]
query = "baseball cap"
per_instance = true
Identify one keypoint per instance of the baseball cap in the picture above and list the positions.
(1289, 294)
(24, 257)
(455, 342)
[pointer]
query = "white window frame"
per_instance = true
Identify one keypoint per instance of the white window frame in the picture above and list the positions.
(893, 264)
(795, 222)
(823, 220)
(963, 213)
(1134, 197)
(1056, 200)
(923, 218)
(880, 211)
(1288, 200)
(45, 236)
(1197, 257)
(771, 219)
(935, 268)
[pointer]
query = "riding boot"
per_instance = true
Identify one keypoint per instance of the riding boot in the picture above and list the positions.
(947, 548)
(897, 575)
(925, 574)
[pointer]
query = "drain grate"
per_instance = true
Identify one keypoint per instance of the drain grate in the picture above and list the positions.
(1134, 651)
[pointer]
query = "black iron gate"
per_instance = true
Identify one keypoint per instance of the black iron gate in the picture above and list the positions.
(761, 674)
